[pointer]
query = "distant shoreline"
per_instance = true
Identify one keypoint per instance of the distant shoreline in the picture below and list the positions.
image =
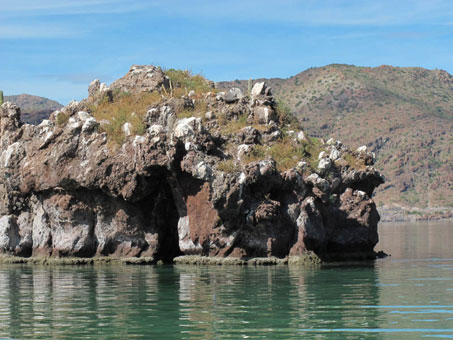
(397, 214)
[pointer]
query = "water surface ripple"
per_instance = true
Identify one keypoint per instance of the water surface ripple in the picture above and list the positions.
(406, 296)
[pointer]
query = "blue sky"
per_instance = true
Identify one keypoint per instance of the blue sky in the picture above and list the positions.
(54, 48)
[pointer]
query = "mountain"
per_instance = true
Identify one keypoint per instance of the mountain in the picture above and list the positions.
(34, 109)
(403, 114)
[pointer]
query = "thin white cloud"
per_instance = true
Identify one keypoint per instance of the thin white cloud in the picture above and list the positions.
(29, 19)
(26, 8)
(37, 31)
(32, 5)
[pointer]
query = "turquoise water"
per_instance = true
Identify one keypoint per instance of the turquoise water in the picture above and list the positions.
(406, 296)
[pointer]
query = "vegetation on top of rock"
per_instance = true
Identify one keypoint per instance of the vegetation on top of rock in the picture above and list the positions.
(61, 119)
(124, 108)
(286, 117)
(288, 153)
(266, 127)
(185, 81)
(276, 134)
(196, 108)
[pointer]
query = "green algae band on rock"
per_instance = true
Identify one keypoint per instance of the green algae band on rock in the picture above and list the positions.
(155, 168)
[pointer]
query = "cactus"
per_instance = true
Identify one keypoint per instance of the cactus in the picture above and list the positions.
(249, 87)
(1, 97)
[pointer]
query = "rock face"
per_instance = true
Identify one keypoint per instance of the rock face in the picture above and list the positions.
(64, 191)
(141, 78)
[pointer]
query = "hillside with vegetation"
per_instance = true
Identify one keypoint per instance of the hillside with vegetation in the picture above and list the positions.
(34, 109)
(404, 115)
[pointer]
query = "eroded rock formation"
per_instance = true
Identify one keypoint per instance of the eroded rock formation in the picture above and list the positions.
(185, 186)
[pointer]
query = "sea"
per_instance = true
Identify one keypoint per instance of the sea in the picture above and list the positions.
(408, 295)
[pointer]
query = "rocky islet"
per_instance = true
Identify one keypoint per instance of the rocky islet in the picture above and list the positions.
(188, 185)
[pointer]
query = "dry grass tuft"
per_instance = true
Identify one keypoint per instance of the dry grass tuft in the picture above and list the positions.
(354, 162)
(232, 126)
(288, 153)
(257, 153)
(312, 148)
(183, 81)
(227, 166)
(125, 108)
(285, 117)
(62, 118)
(199, 109)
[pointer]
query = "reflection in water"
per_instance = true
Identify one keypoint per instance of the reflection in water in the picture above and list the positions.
(192, 302)
(416, 280)
(397, 298)
(334, 300)
(258, 301)
(422, 240)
